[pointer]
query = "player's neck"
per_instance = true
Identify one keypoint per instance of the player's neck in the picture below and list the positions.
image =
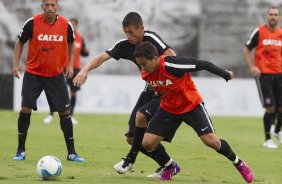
(272, 27)
(50, 20)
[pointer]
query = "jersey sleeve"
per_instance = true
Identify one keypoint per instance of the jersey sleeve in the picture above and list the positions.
(26, 32)
(252, 41)
(71, 35)
(179, 66)
(116, 50)
(157, 41)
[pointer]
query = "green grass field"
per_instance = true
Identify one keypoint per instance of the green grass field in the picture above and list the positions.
(100, 140)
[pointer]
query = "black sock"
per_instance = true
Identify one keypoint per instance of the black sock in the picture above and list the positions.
(23, 125)
(51, 113)
(159, 155)
(268, 119)
(66, 126)
(228, 152)
(137, 143)
(279, 123)
(72, 103)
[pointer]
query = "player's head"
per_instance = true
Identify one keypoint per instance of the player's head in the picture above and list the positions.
(273, 16)
(50, 8)
(133, 28)
(74, 23)
(147, 56)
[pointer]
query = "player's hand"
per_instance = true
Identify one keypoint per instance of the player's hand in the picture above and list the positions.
(69, 72)
(80, 78)
(231, 74)
(255, 71)
(16, 71)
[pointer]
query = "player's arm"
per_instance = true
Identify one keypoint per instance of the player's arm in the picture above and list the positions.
(23, 37)
(69, 68)
(17, 55)
(179, 66)
(71, 52)
(249, 45)
(162, 47)
(95, 63)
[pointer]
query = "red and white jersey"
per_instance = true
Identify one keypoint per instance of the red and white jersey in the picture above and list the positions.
(178, 95)
(48, 48)
(268, 49)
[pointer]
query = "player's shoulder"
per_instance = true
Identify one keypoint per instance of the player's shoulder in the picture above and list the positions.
(122, 43)
(150, 34)
(254, 33)
(62, 18)
(29, 21)
(155, 39)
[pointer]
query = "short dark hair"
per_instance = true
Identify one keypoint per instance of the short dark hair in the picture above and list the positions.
(74, 20)
(146, 50)
(132, 18)
(273, 7)
(44, 0)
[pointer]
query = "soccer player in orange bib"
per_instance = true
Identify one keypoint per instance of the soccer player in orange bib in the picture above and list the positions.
(266, 68)
(50, 36)
(180, 102)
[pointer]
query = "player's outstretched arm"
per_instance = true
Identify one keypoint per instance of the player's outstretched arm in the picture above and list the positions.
(212, 68)
(179, 66)
(81, 77)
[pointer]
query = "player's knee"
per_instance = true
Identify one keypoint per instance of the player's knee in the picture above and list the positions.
(65, 113)
(129, 140)
(270, 109)
(140, 120)
(148, 145)
(26, 110)
(215, 144)
(211, 140)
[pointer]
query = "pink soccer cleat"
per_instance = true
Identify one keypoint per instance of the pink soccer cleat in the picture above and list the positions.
(168, 173)
(246, 172)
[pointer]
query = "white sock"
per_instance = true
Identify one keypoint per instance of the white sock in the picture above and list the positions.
(169, 162)
(236, 160)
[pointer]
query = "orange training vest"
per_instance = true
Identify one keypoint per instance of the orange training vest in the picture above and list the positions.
(48, 47)
(178, 95)
(268, 51)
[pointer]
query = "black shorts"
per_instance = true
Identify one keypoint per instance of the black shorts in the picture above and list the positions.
(70, 83)
(270, 89)
(54, 87)
(148, 104)
(165, 124)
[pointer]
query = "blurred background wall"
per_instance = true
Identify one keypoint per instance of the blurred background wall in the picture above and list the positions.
(214, 30)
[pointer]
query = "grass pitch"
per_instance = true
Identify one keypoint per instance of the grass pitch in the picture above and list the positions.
(100, 140)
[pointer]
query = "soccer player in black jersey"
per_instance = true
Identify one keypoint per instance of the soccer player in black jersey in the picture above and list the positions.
(147, 103)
